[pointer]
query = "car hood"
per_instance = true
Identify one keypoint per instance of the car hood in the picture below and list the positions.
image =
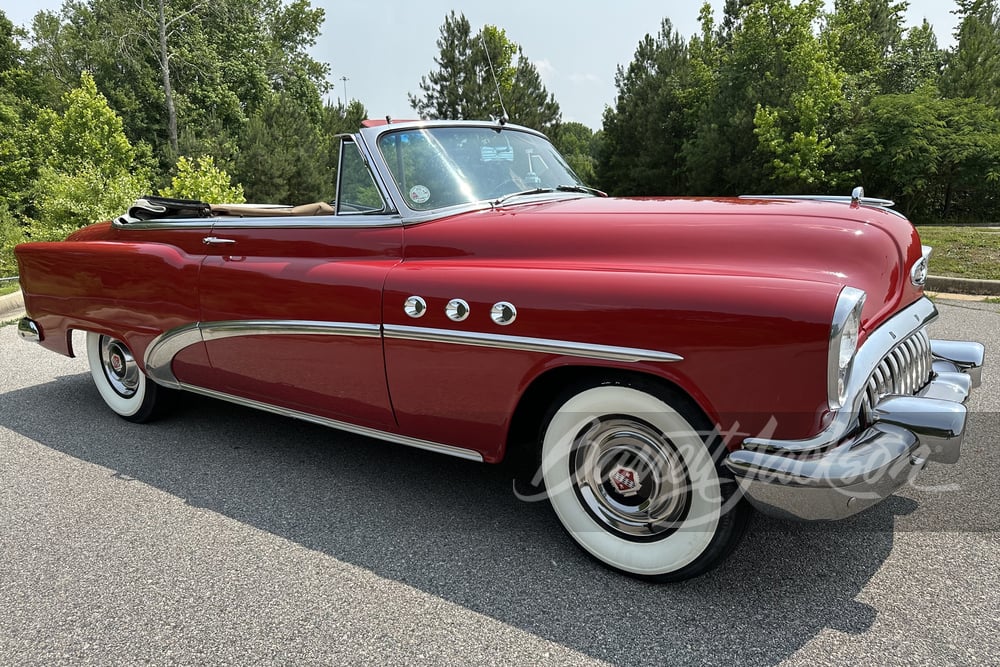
(833, 243)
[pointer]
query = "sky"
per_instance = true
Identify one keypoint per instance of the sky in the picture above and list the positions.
(384, 47)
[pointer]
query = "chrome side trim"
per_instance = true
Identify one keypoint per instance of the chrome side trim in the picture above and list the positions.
(450, 450)
(869, 355)
(236, 328)
(545, 346)
(161, 352)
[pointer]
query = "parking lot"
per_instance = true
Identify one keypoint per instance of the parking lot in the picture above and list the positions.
(224, 535)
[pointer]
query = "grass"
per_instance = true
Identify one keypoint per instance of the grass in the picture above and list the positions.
(9, 287)
(963, 252)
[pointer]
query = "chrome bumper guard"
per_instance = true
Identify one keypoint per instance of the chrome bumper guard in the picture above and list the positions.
(29, 330)
(848, 468)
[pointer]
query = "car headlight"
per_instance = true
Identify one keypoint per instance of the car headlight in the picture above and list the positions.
(843, 343)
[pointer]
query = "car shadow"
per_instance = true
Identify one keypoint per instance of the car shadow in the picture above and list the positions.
(455, 530)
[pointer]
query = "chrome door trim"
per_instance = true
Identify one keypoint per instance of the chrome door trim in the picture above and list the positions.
(450, 450)
(526, 344)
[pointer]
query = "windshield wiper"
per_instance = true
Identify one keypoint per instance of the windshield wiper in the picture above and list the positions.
(522, 193)
(541, 191)
(581, 188)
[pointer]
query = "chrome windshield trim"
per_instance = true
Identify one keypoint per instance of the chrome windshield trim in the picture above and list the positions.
(161, 352)
(525, 344)
(450, 450)
(879, 342)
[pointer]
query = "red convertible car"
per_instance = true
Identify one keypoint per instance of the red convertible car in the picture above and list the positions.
(654, 367)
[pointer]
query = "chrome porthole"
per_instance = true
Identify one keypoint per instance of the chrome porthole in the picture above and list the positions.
(503, 313)
(415, 307)
(457, 310)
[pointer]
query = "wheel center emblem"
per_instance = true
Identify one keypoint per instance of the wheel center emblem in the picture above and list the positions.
(626, 481)
(116, 363)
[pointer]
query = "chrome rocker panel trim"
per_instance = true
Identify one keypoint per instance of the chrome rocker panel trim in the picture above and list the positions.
(342, 426)
(846, 469)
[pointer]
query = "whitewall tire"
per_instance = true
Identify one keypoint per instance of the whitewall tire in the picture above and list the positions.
(122, 385)
(631, 478)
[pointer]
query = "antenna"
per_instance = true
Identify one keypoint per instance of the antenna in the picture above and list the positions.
(504, 118)
(345, 80)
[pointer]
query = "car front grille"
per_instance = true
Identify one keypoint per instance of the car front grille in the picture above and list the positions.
(902, 372)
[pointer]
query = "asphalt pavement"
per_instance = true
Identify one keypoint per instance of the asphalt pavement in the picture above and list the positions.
(222, 535)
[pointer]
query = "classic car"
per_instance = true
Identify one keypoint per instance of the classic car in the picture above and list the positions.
(655, 367)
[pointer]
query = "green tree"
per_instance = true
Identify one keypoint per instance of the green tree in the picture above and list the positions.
(973, 67)
(282, 156)
(578, 145)
(463, 85)
(936, 157)
(644, 132)
(90, 170)
(200, 179)
(215, 62)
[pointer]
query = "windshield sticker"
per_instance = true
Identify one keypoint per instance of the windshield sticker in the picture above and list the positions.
(419, 194)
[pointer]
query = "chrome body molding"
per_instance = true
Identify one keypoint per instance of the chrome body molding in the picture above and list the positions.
(29, 330)
(868, 451)
(542, 345)
(161, 351)
(450, 450)
(234, 328)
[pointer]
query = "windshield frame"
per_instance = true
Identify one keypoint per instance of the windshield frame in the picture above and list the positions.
(368, 140)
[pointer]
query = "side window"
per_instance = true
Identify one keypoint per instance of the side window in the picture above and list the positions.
(356, 190)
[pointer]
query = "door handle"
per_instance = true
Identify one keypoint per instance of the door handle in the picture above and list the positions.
(214, 240)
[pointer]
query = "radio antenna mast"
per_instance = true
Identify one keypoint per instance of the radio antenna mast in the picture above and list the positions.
(504, 118)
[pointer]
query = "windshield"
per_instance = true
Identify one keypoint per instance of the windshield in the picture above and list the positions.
(445, 166)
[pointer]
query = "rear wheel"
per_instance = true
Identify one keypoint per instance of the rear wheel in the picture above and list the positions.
(631, 477)
(122, 385)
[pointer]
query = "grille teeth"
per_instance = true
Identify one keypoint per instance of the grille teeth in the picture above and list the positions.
(902, 372)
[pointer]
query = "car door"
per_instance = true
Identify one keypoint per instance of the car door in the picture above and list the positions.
(291, 306)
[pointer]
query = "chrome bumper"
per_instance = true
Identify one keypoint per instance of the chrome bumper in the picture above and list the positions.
(29, 330)
(848, 468)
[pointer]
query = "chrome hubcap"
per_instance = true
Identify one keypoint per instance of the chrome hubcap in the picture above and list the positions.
(119, 367)
(630, 477)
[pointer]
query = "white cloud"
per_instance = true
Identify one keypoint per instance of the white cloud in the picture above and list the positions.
(546, 69)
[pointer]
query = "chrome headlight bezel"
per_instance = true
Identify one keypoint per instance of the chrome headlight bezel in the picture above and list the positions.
(844, 333)
(918, 274)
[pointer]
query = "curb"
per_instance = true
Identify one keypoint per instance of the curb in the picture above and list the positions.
(11, 306)
(962, 286)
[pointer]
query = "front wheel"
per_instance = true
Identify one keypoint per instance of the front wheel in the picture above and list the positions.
(122, 385)
(630, 475)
